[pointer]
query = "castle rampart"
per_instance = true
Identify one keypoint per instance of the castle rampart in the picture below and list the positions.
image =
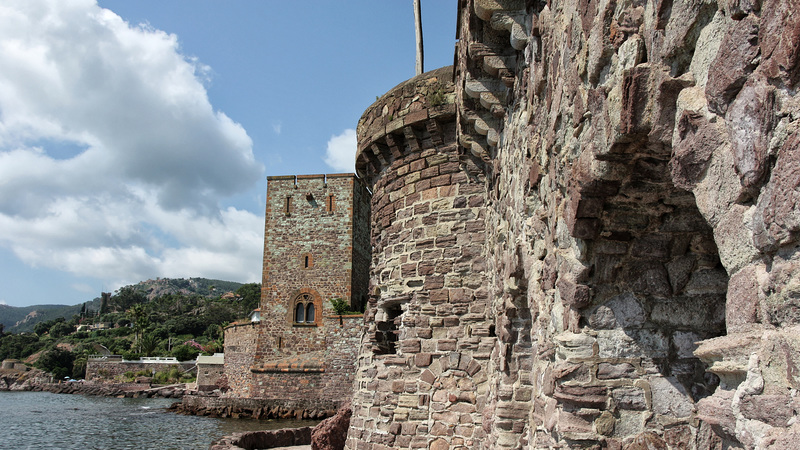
(632, 168)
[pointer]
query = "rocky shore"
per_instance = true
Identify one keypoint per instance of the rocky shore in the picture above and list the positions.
(38, 381)
(287, 437)
(195, 405)
(330, 434)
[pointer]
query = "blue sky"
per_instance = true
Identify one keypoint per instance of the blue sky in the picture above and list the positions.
(136, 136)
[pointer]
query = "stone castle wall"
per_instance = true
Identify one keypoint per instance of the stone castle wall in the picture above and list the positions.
(317, 381)
(241, 341)
(633, 187)
(342, 339)
(210, 376)
(621, 271)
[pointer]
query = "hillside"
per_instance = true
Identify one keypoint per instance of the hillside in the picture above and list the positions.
(23, 319)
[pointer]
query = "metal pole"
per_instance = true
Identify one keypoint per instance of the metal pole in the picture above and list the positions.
(418, 28)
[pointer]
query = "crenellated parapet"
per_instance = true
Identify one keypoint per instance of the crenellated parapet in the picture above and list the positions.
(417, 113)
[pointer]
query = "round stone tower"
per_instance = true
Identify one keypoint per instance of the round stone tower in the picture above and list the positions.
(421, 370)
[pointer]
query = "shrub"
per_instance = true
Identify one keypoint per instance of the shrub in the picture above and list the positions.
(172, 375)
(185, 352)
(341, 307)
(130, 356)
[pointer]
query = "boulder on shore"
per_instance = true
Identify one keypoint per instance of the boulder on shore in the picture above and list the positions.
(331, 433)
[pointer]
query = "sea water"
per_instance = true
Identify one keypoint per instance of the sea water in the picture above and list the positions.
(42, 420)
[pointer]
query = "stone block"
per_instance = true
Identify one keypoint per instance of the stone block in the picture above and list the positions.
(582, 396)
(629, 398)
(573, 294)
(575, 345)
(775, 221)
(695, 312)
(634, 343)
(646, 440)
(779, 39)
(652, 246)
(572, 423)
(735, 60)
(623, 311)
(610, 371)
(649, 278)
(670, 398)
(774, 410)
(423, 360)
(439, 295)
(742, 299)
(445, 345)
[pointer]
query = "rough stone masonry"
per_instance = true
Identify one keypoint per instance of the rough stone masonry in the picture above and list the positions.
(586, 233)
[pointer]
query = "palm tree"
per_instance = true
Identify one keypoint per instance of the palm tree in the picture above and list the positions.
(148, 344)
(139, 319)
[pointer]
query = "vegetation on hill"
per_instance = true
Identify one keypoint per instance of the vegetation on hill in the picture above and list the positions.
(146, 319)
(21, 319)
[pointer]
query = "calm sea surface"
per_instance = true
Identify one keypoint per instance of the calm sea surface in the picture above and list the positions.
(41, 420)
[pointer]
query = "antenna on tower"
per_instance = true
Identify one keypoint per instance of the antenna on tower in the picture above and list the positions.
(418, 28)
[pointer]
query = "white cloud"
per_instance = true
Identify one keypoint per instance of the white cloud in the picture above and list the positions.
(277, 127)
(83, 287)
(113, 162)
(341, 152)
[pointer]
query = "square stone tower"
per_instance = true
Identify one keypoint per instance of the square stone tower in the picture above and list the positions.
(302, 356)
(316, 248)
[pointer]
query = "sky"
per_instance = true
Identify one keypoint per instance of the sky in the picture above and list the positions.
(136, 136)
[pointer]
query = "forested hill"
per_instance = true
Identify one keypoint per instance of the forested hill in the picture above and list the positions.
(12, 315)
(21, 319)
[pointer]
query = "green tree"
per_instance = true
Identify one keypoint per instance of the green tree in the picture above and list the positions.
(138, 317)
(185, 352)
(251, 296)
(60, 329)
(56, 361)
(19, 346)
(149, 345)
(126, 297)
(42, 328)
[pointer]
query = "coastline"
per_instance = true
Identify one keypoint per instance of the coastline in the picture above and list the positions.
(37, 381)
(333, 428)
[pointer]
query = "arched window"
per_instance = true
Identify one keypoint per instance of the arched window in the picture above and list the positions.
(304, 310)
(310, 313)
